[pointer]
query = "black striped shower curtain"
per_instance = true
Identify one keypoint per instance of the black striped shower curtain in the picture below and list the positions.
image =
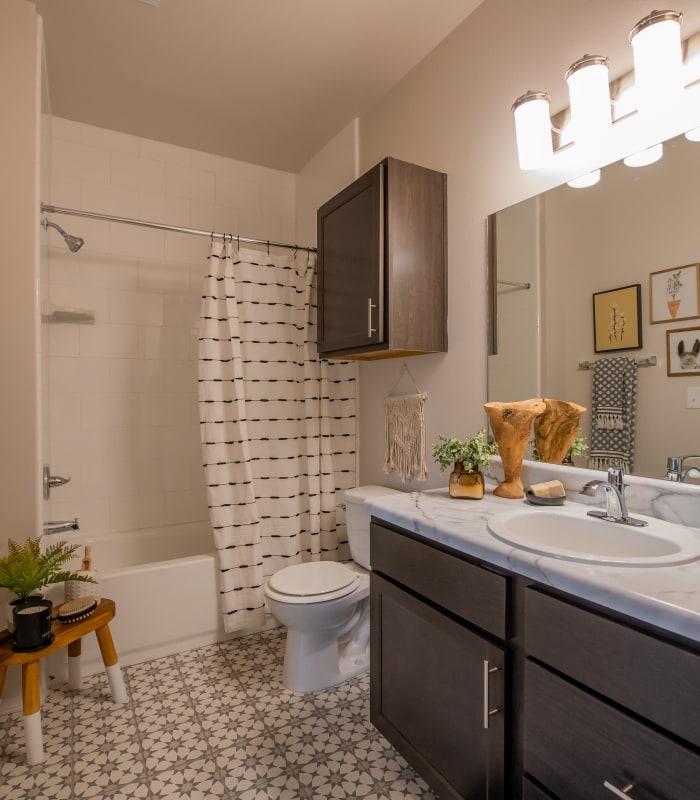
(277, 425)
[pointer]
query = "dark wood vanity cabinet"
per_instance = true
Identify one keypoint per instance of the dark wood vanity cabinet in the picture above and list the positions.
(437, 681)
(382, 256)
(583, 704)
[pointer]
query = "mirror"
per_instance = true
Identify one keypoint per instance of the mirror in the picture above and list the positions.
(551, 253)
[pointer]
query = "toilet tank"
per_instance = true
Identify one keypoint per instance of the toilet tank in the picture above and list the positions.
(358, 517)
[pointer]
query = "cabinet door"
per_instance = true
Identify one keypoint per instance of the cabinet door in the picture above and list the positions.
(351, 266)
(437, 693)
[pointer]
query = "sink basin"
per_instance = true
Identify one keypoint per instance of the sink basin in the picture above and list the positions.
(570, 534)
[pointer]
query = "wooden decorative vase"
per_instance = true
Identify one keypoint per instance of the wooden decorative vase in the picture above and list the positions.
(511, 424)
(469, 485)
(556, 429)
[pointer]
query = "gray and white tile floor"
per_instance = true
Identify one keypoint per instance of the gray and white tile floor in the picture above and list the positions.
(215, 722)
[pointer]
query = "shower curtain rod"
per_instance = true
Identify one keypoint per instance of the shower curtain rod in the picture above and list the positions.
(49, 209)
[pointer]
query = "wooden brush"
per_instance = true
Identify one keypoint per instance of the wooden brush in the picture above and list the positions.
(77, 609)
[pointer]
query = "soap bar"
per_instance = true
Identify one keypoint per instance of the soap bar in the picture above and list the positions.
(548, 489)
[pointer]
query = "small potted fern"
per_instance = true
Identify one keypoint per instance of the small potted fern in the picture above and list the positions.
(466, 457)
(24, 571)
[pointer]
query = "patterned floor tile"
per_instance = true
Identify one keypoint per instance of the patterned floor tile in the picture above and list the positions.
(216, 722)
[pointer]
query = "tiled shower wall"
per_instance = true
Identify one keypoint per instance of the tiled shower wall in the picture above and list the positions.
(122, 392)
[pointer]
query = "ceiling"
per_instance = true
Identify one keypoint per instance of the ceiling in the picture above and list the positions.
(263, 81)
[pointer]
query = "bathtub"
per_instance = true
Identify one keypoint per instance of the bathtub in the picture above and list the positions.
(164, 584)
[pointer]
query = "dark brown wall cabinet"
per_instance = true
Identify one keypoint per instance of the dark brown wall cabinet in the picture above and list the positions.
(382, 265)
(493, 686)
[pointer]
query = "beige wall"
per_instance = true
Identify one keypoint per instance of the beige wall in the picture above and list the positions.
(18, 264)
(452, 113)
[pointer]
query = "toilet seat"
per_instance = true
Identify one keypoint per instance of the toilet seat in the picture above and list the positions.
(312, 582)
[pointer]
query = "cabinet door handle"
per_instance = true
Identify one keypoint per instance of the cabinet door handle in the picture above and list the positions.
(488, 712)
(624, 792)
(370, 329)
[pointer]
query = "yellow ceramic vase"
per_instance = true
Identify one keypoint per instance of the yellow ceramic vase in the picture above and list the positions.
(464, 484)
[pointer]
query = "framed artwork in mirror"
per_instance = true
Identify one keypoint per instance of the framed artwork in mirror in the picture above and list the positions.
(617, 319)
(674, 294)
(683, 352)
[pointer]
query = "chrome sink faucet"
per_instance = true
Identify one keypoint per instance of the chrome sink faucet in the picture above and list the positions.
(616, 507)
(675, 471)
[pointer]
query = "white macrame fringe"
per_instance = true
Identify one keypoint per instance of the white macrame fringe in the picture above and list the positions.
(404, 435)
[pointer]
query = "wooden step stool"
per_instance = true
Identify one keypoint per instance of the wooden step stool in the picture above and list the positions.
(65, 634)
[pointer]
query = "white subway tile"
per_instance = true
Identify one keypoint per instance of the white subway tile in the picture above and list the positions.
(177, 474)
(136, 513)
(163, 343)
(64, 340)
(179, 442)
(64, 411)
(101, 270)
(109, 341)
(130, 240)
(135, 308)
(94, 232)
(136, 172)
(79, 161)
(186, 249)
(65, 192)
(168, 153)
(163, 409)
(109, 410)
(197, 477)
(110, 140)
(193, 184)
(236, 193)
(91, 512)
(113, 200)
(84, 298)
(212, 217)
(164, 276)
(66, 129)
(186, 506)
(164, 209)
(181, 310)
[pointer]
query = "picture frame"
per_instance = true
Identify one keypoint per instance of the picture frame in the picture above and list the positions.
(674, 294)
(682, 352)
(617, 319)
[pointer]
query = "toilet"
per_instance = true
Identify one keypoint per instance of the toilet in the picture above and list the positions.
(325, 606)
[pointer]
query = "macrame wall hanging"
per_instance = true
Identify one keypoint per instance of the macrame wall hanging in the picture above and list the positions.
(404, 431)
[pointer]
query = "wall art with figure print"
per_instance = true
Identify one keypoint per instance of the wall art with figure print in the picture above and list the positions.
(617, 319)
(674, 294)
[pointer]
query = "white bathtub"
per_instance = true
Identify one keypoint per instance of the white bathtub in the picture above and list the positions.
(164, 584)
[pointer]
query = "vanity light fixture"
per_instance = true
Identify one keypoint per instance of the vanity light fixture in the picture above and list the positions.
(658, 61)
(589, 99)
(658, 96)
(693, 135)
(584, 181)
(533, 129)
(644, 157)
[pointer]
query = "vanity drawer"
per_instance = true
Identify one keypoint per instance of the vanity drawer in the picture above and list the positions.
(574, 743)
(652, 677)
(471, 592)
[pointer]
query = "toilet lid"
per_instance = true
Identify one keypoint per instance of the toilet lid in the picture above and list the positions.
(313, 578)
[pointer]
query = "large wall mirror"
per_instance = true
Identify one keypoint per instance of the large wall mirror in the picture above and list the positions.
(551, 253)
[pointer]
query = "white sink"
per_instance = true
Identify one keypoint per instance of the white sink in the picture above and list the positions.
(569, 533)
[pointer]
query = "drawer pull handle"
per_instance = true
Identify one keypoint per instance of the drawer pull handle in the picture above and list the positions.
(488, 712)
(370, 329)
(624, 792)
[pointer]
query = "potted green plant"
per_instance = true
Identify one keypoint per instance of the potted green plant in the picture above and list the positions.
(465, 457)
(24, 571)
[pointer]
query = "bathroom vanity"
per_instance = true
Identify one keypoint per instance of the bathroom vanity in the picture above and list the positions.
(502, 673)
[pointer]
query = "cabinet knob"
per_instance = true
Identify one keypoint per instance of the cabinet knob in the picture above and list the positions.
(624, 792)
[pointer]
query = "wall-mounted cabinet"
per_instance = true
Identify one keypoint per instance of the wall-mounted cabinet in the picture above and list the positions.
(382, 265)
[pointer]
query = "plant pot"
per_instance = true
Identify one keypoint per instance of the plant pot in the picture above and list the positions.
(468, 485)
(31, 619)
(673, 306)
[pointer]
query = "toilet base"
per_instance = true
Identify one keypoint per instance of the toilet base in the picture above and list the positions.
(313, 662)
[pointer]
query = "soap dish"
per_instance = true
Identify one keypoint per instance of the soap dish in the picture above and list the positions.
(535, 500)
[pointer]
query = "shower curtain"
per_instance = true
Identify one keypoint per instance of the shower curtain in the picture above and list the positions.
(277, 424)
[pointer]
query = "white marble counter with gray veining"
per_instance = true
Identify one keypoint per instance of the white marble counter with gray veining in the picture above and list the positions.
(668, 597)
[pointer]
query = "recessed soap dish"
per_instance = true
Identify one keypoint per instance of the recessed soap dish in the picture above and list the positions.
(536, 500)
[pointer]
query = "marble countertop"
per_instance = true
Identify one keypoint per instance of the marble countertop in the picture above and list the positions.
(668, 597)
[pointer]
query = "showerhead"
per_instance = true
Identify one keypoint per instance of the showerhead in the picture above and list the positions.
(74, 242)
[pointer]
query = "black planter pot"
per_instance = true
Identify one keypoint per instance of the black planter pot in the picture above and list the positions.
(31, 618)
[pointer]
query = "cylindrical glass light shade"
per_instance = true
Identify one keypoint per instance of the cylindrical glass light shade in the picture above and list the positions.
(589, 98)
(584, 181)
(533, 129)
(658, 61)
(693, 135)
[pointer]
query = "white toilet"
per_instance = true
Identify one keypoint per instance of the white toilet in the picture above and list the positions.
(325, 606)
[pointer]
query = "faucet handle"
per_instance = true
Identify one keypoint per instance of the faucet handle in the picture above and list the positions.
(616, 476)
(674, 467)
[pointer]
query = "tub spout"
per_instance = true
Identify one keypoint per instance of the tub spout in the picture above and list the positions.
(61, 526)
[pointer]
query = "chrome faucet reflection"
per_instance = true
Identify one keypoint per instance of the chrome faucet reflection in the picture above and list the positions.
(676, 472)
(616, 507)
